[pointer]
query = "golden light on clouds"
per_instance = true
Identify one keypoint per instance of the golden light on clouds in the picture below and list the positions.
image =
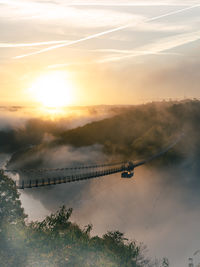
(53, 90)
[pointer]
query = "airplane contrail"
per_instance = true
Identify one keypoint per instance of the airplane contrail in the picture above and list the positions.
(10, 45)
(76, 41)
(106, 32)
(156, 47)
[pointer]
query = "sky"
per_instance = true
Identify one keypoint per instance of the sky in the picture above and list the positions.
(109, 52)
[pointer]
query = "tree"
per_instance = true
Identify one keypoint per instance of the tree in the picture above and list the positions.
(56, 241)
(11, 211)
(12, 224)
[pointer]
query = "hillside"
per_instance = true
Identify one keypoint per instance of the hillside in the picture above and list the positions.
(140, 131)
(135, 133)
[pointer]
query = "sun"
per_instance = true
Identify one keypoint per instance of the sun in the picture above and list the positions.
(53, 90)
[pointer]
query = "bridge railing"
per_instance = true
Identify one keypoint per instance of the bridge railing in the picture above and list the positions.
(67, 179)
(74, 168)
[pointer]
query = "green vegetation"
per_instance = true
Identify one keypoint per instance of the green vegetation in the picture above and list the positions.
(141, 130)
(135, 133)
(12, 224)
(56, 241)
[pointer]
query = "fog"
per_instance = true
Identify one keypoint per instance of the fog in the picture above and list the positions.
(159, 206)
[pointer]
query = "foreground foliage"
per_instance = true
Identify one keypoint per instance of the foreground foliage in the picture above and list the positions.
(57, 242)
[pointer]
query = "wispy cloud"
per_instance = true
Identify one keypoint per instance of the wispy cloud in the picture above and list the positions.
(11, 45)
(92, 62)
(70, 64)
(101, 3)
(75, 42)
(92, 16)
(131, 3)
(108, 31)
(136, 3)
(154, 48)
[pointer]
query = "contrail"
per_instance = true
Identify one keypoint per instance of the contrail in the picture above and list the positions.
(157, 47)
(106, 32)
(7, 45)
(76, 41)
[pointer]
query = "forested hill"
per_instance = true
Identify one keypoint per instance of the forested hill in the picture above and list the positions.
(141, 130)
(137, 132)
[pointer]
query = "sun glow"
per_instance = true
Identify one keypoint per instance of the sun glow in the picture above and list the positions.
(53, 90)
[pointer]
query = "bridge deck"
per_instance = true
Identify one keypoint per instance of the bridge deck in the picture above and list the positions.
(67, 179)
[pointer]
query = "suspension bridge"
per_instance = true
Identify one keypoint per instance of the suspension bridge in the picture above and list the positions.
(30, 178)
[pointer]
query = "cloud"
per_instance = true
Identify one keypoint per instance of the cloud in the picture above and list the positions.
(101, 3)
(154, 48)
(107, 32)
(92, 17)
(11, 45)
(126, 4)
(69, 64)
(133, 3)
(74, 42)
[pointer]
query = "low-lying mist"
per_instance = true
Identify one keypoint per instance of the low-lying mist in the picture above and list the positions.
(158, 207)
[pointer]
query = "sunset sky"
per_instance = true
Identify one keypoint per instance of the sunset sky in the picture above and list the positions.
(98, 52)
